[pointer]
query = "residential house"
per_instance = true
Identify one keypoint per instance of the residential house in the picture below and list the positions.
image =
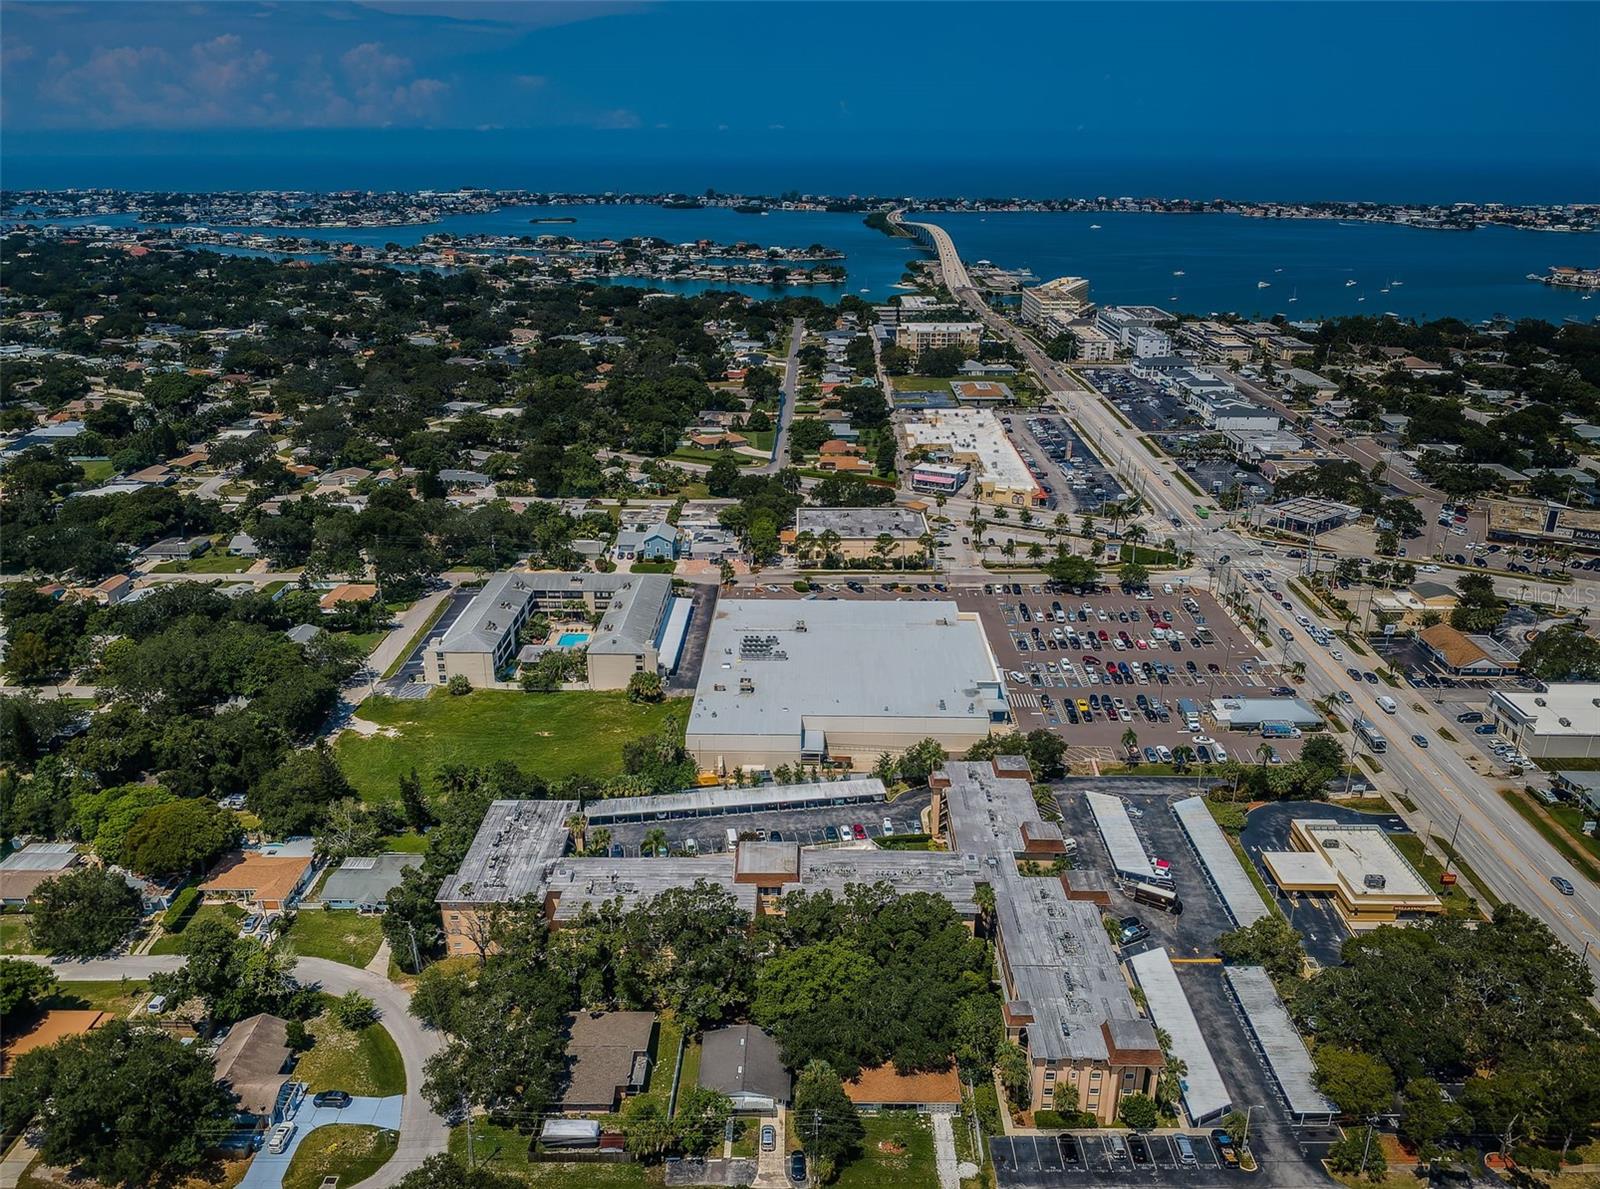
(253, 1063)
(744, 1062)
(178, 548)
(21, 872)
(268, 882)
(50, 1028)
(647, 542)
(608, 1058)
(348, 592)
(363, 883)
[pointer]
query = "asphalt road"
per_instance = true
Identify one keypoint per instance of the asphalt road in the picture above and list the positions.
(791, 388)
(1502, 849)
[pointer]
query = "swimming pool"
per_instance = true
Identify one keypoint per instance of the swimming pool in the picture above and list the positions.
(572, 639)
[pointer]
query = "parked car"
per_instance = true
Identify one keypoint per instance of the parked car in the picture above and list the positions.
(278, 1141)
(769, 1137)
(797, 1168)
(337, 1099)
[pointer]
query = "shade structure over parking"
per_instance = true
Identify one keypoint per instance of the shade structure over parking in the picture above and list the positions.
(1128, 855)
(1204, 1095)
(1275, 1035)
(1222, 866)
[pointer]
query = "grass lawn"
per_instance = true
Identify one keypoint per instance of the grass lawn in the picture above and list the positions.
(692, 454)
(407, 844)
(116, 996)
(1562, 827)
(504, 1150)
(1367, 804)
(554, 735)
(1456, 902)
(96, 470)
(690, 1072)
(925, 383)
(351, 1152)
(14, 937)
(340, 936)
(653, 567)
(668, 1033)
(898, 1150)
(211, 563)
(364, 1062)
(366, 641)
(172, 943)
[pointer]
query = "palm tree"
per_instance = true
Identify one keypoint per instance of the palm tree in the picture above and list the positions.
(927, 541)
(1009, 549)
(1130, 741)
(1264, 754)
(655, 841)
(577, 825)
(1298, 668)
(805, 545)
(1183, 755)
(829, 540)
(1134, 534)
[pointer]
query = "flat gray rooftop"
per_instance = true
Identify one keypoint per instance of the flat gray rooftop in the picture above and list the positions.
(1239, 895)
(1279, 1042)
(1128, 855)
(769, 664)
(1204, 1095)
(511, 852)
(900, 523)
(580, 882)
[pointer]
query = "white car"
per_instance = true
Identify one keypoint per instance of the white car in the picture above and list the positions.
(1201, 739)
(280, 1137)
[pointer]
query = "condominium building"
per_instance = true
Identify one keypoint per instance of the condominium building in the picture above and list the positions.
(1064, 297)
(641, 626)
(1066, 1001)
(1123, 323)
(926, 336)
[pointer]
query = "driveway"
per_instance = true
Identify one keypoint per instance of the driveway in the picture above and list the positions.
(267, 1170)
(423, 1133)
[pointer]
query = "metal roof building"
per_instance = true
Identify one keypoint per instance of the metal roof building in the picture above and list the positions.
(1127, 852)
(1204, 1095)
(1275, 1035)
(714, 802)
(1221, 864)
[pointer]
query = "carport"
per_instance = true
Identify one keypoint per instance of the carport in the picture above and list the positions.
(1205, 1097)
(1275, 1035)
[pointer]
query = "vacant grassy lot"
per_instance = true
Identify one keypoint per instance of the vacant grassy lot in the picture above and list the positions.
(505, 1150)
(351, 1152)
(898, 1150)
(340, 936)
(14, 937)
(211, 563)
(362, 1062)
(554, 735)
(172, 943)
(116, 996)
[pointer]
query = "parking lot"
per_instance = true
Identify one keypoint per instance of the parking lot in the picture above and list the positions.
(1190, 934)
(1149, 406)
(1070, 472)
(1048, 1160)
(1092, 668)
(809, 827)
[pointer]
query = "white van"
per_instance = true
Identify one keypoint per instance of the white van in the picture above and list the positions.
(733, 838)
(1387, 704)
(281, 1135)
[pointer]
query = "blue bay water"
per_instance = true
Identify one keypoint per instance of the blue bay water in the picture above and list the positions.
(1128, 258)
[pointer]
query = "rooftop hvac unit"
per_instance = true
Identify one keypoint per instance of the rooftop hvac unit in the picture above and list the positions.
(1331, 843)
(1373, 881)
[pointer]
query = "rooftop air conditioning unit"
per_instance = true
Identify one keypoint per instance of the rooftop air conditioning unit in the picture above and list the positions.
(1373, 881)
(1331, 844)
(1540, 702)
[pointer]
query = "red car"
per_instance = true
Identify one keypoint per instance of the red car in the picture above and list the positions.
(861, 832)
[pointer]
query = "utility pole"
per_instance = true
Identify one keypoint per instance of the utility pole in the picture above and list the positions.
(1451, 853)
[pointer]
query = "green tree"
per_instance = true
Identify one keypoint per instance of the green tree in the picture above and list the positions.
(1427, 1116)
(1358, 1150)
(1270, 942)
(414, 802)
(354, 1011)
(646, 1128)
(459, 685)
(919, 761)
(295, 796)
(827, 1121)
(1359, 1085)
(1563, 653)
(443, 1171)
(1016, 1074)
(1139, 1111)
(179, 836)
(22, 986)
(645, 687)
(232, 976)
(1323, 751)
(83, 913)
(125, 1105)
(700, 1118)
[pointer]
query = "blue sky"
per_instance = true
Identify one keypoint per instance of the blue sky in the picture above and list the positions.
(1485, 87)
